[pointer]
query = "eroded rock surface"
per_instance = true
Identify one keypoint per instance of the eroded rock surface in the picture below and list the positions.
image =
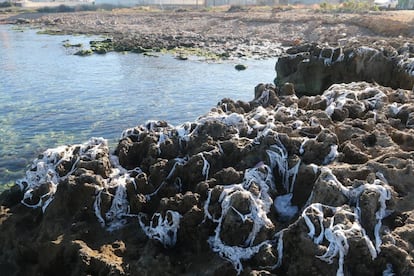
(313, 68)
(317, 185)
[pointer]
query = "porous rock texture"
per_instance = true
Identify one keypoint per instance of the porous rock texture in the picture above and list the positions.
(313, 68)
(281, 185)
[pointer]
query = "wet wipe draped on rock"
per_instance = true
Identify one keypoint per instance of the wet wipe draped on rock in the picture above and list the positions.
(317, 185)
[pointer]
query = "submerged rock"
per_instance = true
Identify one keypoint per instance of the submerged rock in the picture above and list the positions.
(317, 185)
(240, 67)
(84, 52)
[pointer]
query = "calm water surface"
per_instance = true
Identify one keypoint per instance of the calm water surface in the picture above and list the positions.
(49, 97)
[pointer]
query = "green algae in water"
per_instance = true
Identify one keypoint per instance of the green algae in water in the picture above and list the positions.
(18, 28)
(69, 45)
(193, 52)
(84, 52)
(49, 32)
(102, 46)
(6, 186)
(52, 98)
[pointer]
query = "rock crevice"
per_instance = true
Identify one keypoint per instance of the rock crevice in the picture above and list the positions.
(315, 185)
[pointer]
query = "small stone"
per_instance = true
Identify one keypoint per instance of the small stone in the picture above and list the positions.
(240, 67)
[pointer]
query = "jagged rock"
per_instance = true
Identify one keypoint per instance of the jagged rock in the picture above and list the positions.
(287, 89)
(228, 176)
(327, 191)
(404, 139)
(142, 184)
(369, 206)
(312, 68)
(100, 167)
(353, 155)
(317, 151)
(265, 95)
(289, 185)
(11, 197)
(235, 231)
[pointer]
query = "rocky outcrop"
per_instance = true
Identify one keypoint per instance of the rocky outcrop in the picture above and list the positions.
(318, 185)
(313, 68)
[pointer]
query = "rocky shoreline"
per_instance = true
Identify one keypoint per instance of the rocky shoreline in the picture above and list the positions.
(280, 185)
(314, 68)
(228, 34)
(308, 178)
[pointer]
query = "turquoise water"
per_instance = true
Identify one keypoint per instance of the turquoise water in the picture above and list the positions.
(50, 97)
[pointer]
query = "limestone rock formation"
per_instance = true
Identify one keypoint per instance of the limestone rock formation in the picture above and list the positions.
(313, 68)
(317, 185)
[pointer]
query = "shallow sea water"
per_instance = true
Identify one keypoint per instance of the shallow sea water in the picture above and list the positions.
(50, 97)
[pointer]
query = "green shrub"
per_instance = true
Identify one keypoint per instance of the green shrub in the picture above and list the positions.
(326, 6)
(353, 6)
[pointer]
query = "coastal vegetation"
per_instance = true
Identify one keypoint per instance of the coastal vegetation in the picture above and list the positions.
(349, 6)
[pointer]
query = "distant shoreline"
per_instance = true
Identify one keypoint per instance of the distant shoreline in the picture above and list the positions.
(13, 17)
(226, 33)
(289, 183)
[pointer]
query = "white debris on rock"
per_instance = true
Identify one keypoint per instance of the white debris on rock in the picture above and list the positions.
(278, 157)
(184, 132)
(328, 61)
(164, 229)
(358, 93)
(329, 158)
(150, 126)
(234, 254)
(407, 64)
(258, 186)
(44, 172)
(44, 169)
(116, 216)
(259, 207)
(333, 153)
(238, 121)
(362, 50)
(264, 97)
(388, 271)
(262, 121)
(284, 207)
(206, 166)
(178, 161)
(337, 234)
